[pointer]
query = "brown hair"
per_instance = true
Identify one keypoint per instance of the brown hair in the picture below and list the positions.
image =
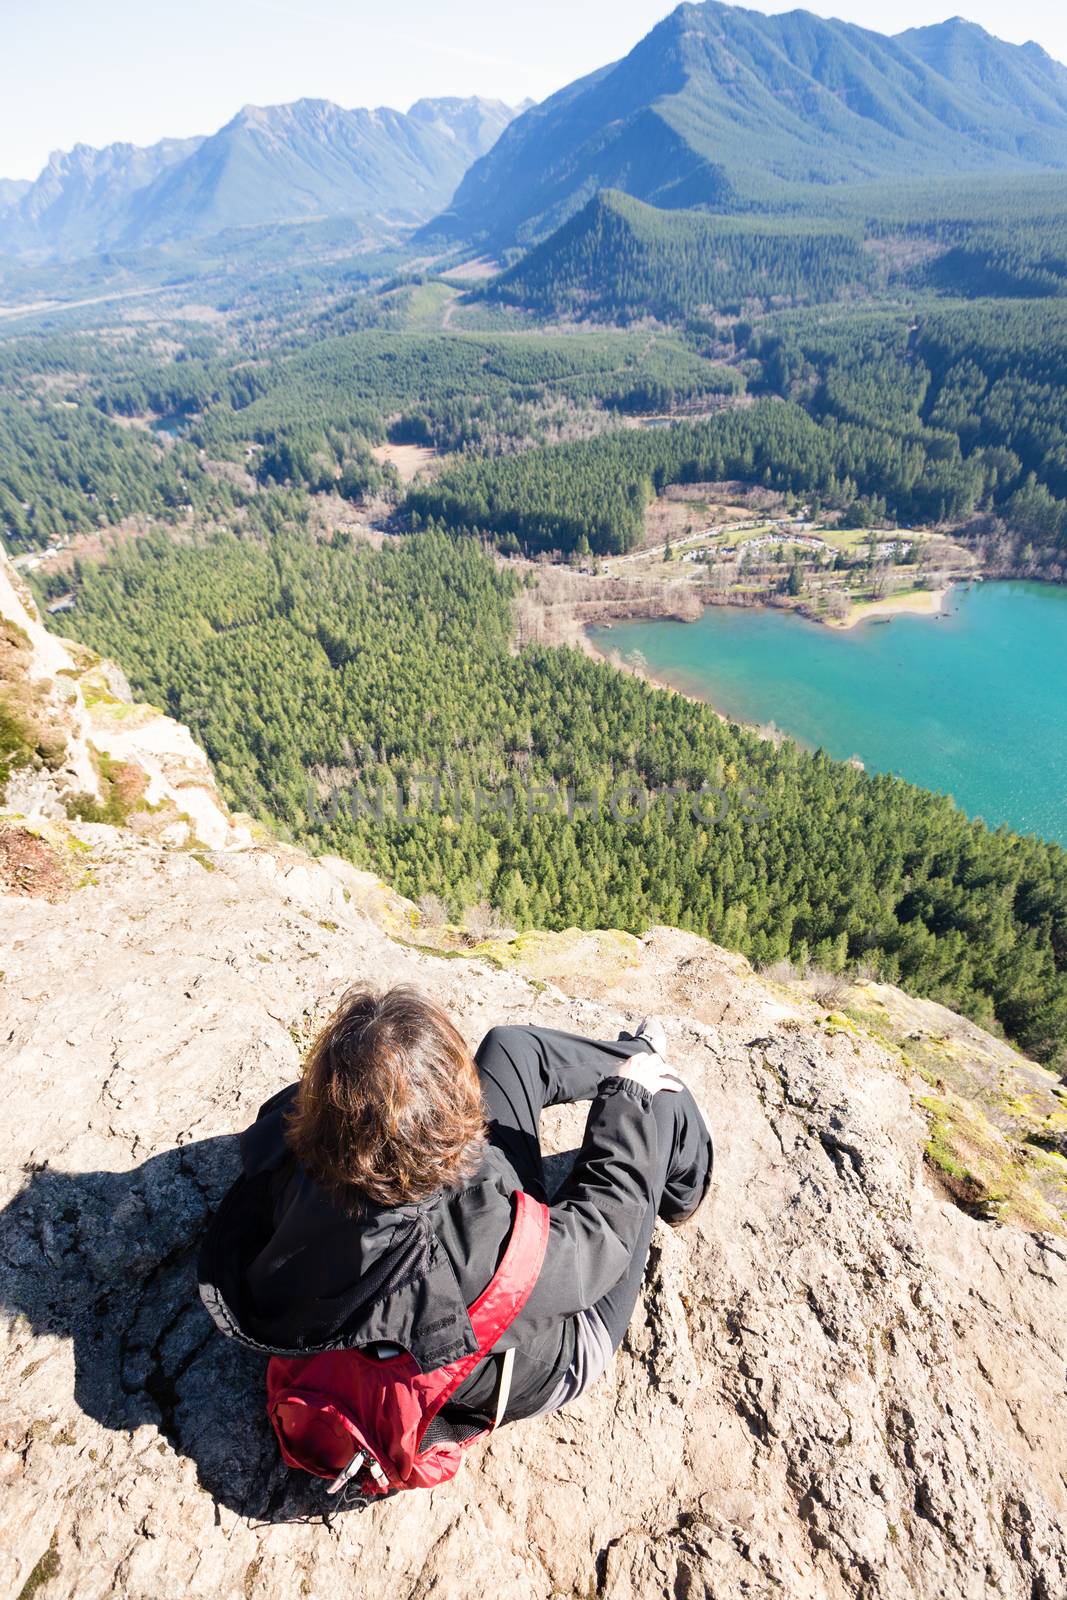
(389, 1107)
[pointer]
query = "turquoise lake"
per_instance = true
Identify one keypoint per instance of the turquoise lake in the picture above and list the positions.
(973, 704)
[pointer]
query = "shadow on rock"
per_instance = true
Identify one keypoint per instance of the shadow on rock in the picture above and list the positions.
(108, 1260)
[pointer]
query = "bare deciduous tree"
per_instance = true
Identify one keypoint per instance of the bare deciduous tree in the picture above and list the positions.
(433, 913)
(483, 921)
(829, 989)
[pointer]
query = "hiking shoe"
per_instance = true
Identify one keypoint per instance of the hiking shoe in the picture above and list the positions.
(652, 1030)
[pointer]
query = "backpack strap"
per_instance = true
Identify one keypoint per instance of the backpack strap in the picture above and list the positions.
(497, 1306)
(501, 1301)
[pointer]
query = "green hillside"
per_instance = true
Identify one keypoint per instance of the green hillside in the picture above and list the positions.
(923, 416)
(620, 258)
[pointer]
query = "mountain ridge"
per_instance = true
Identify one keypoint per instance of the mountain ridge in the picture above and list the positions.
(267, 164)
(740, 108)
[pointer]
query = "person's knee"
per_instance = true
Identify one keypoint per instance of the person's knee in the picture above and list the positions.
(506, 1042)
(678, 1110)
(684, 1131)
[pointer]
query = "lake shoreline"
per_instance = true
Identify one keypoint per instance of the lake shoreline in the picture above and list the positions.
(931, 705)
(614, 659)
(930, 603)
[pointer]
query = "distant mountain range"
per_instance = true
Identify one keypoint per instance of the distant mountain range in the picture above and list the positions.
(720, 106)
(717, 107)
(12, 189)
(267, 165)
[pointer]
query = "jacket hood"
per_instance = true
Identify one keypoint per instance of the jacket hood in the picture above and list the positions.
(285, 1270)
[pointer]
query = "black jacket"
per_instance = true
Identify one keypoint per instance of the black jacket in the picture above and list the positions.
(286, 1271)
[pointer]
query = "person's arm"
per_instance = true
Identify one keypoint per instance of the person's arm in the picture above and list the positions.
(598, 1216)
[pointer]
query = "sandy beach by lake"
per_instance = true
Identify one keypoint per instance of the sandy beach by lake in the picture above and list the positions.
(915, 603)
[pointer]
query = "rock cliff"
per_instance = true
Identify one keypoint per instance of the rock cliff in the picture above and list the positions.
(846, 1378)
(72, 738)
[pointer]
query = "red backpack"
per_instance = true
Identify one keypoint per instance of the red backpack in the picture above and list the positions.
(369, 1422)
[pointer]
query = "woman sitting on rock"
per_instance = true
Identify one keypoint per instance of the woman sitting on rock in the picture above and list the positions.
(393, 1220)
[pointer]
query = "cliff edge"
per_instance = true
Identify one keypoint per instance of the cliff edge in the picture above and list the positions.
(845, 1379)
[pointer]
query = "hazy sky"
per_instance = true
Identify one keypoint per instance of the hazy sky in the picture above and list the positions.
(100, 70)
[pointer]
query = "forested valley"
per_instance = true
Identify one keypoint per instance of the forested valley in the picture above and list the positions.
(931, 410)
(368, 702)
(926, 417)
(219, 499)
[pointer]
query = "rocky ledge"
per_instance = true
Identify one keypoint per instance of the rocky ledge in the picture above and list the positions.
(841, 1381)
(845, 1378)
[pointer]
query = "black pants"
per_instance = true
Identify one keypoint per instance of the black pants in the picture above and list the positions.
(544, 1067)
